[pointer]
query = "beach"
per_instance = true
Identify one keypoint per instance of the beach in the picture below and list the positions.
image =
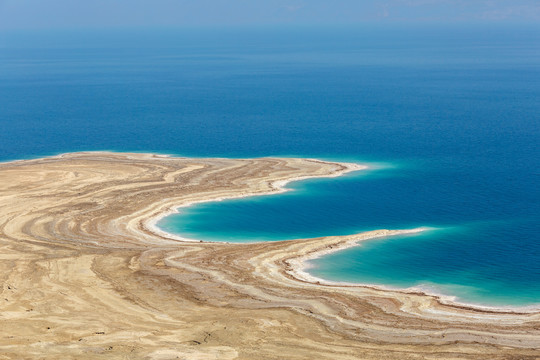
(87, 274)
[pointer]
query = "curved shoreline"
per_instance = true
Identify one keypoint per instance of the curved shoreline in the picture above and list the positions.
(278, 187)
(298, 271)
(300, 267)
(83, 269)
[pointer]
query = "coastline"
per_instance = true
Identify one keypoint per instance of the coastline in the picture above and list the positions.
(300, 266)
(277, 187)
(82, 260)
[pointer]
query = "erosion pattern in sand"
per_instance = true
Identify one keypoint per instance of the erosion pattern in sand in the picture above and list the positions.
(84, 277)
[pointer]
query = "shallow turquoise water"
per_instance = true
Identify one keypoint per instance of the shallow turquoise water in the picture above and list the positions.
(449, 116)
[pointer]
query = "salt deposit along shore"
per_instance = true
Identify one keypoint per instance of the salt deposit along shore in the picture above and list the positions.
(86, 275)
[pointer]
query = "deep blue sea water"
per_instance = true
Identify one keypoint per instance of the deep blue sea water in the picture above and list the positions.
(446, 116)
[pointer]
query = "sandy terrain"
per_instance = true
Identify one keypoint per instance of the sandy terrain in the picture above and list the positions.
(85, 276)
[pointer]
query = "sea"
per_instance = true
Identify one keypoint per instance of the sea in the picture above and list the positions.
(447, 118)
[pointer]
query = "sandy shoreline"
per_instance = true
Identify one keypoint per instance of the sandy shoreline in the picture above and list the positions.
(300, 265)
(277, 187)
(87, 276)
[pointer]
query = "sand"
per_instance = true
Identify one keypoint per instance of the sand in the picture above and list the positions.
(86, 275)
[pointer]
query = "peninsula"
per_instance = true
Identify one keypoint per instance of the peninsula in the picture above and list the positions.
(86, 274)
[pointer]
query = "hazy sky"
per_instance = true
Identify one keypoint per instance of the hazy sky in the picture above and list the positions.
(44, 14)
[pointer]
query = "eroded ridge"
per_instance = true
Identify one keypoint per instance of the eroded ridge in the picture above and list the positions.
(86, 275)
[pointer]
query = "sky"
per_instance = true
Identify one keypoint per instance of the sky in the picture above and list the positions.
(61, 14)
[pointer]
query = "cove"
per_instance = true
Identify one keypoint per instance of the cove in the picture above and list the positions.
(444, 260)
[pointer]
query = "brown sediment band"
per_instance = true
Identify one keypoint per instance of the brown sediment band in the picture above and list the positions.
(86, 275)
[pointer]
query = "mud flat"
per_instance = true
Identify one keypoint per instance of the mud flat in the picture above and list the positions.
(86, 276)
